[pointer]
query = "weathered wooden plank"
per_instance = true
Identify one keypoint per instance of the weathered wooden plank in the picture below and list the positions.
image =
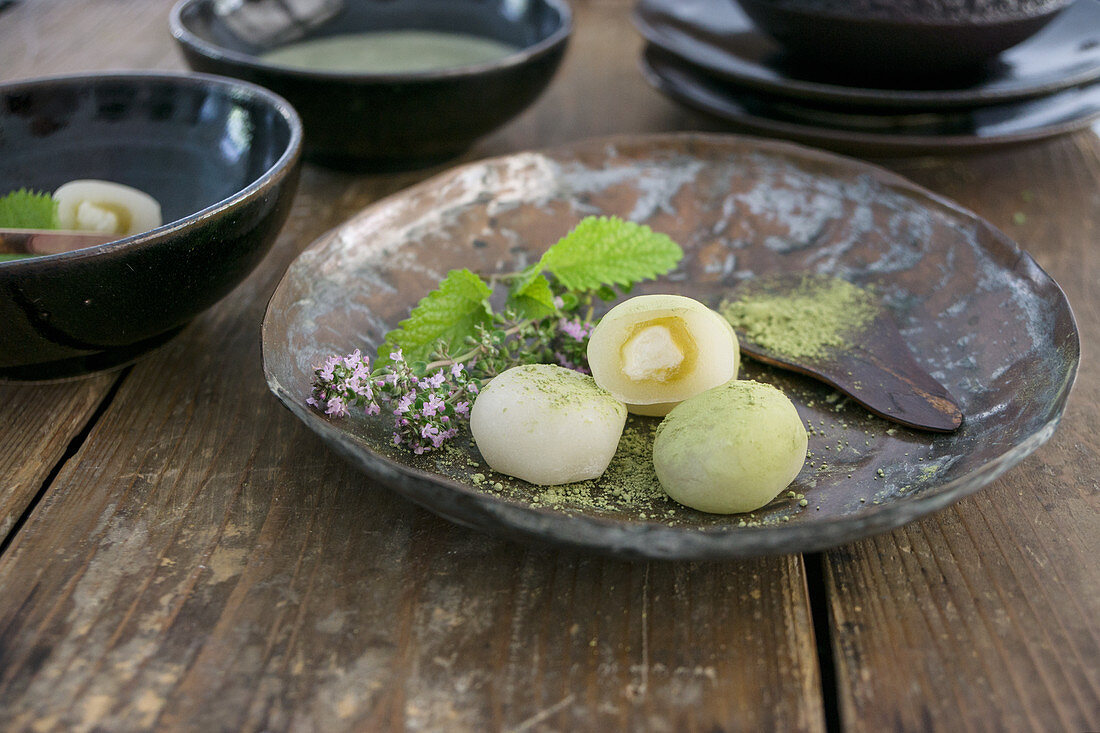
(221, 569)
(204, 562)
(48, 38)
(983, 617)
(37, 425)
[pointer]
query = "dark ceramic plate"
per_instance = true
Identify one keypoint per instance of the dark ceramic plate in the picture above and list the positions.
(873, 134)
(718, 36)
(977, 311)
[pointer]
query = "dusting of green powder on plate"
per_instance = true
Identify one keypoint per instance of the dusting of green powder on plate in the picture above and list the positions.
(819, 314)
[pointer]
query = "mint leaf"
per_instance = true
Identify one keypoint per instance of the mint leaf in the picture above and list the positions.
(609, 251)
(531, 296)
(25, 209)
(451, 312)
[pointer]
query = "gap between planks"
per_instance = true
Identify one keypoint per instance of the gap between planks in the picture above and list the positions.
(813, 569)
(70, 450)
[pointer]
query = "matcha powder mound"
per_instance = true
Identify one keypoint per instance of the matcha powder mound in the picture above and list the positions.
(820, 314)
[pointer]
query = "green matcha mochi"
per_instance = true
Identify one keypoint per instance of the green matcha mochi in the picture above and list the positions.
(546, 424)
(730, 449)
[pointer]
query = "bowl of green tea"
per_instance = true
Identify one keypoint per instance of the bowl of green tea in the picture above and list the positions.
(384, 84)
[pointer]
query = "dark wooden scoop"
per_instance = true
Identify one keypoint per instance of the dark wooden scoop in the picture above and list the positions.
(878, 371)
(31, 242)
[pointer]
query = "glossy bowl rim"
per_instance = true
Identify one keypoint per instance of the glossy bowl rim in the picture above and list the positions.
(912, 21)
(231, 87)
(187, 38)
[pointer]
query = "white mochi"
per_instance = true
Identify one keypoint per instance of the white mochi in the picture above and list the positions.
(546, 424)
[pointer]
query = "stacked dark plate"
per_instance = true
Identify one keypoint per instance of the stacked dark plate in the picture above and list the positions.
(710, 55)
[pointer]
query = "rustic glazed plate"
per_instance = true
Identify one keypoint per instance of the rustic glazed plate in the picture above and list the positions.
(869, 134)
(718, 36)
(977, 311)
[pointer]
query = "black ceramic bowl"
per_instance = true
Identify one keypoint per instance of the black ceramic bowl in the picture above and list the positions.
(883, 39)
(360, 120)
(221, 157)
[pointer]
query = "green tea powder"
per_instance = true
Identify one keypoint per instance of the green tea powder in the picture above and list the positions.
(820, 314)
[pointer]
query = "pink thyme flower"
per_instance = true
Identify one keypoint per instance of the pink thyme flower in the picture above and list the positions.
(396, 356)
(433, 405)
(372, 408)
(563, 360)
(462, 409)
(457, 369)
(573, 328)
(336, 407)
(326, 371)
(404, 403)
(363, 389)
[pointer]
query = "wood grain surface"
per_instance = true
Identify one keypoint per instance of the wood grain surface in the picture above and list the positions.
(196, 560)
(984, 616)
(39, 424)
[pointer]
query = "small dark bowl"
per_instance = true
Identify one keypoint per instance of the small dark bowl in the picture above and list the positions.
(390, 120)
(884, 40)
(221, 157)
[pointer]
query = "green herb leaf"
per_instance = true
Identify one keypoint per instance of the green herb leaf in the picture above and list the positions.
(606, 293)
(609, 251)
(449, 313)
(25, 209)
(531, 296)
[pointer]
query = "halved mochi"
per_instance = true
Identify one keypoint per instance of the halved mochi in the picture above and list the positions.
(654, 351)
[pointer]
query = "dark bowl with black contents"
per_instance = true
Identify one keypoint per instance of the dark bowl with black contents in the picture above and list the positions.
(913, 40)
(220, 156)
(384, 84)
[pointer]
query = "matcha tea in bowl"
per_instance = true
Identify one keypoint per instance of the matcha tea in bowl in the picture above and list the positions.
(384, 85)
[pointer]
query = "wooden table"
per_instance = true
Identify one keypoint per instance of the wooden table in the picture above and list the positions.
(180, 553)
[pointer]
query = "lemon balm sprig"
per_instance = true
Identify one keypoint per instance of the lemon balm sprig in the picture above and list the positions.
(599, 255)
(430, 366)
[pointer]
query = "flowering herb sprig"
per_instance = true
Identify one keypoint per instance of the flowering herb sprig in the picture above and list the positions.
(426, 410)
(430, 367)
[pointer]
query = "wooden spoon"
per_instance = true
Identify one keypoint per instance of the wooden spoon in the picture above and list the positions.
(31, 242)
(877, 370)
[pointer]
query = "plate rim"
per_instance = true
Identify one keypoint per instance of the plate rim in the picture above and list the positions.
(530, 523)
(872, 143)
